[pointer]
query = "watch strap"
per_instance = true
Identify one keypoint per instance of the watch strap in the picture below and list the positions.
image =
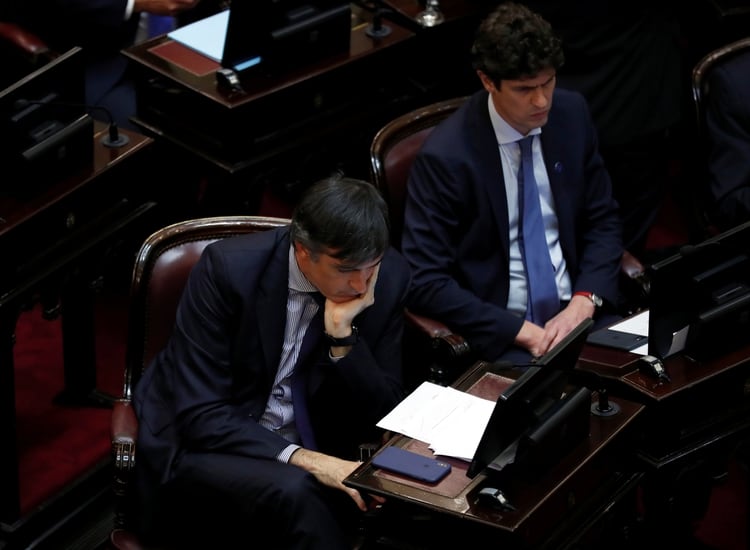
(350, 340)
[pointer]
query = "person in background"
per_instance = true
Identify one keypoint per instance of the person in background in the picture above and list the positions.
(285, 354)
(728, 135)
(102, 28)
(463, 233)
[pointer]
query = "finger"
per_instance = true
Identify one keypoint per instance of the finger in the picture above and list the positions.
(357, 498)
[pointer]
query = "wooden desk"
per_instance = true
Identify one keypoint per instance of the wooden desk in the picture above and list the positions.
(179, 99)
(690, 425)
(49, 238)
(287, 130)
(552, 506)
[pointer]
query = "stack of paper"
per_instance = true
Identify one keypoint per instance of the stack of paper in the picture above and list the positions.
(450, 421)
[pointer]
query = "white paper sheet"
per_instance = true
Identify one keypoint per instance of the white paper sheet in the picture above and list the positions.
(450, 421)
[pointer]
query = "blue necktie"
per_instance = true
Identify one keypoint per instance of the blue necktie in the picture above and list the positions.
(543, 301)
(301, 372)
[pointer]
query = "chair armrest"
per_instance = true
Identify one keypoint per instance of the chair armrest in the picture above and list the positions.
(434, 351)
(441, 336)
(635, 285)
(633, 269)
(26, 42)
(124, 432)
(631, 266)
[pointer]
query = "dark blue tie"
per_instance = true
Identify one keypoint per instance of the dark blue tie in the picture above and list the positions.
(543, 301)
(300, 375)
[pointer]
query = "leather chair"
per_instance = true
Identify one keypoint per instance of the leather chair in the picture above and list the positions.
(429, 344)
(391, 155)
(701, 91)
(159, 276)
(21, 51)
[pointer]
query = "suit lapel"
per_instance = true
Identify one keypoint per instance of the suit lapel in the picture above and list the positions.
(271, 305)
(491, 174)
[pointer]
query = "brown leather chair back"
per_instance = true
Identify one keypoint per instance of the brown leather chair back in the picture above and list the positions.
(702, 224)
(393, 150)
(702, 70)
(432, 350)
(161, 270)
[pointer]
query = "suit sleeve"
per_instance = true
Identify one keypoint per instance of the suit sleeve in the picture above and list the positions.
(449, 234)
(209, 413)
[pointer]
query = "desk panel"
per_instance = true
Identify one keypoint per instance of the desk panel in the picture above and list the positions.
(541, 503)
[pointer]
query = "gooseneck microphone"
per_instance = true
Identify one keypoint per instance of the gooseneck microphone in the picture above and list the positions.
(113, 138)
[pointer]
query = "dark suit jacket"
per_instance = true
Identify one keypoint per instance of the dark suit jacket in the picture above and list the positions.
(728, 127)
(206, 390)
(456, 221)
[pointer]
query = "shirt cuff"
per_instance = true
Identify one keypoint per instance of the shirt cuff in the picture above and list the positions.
(286, 454)
(129, 9)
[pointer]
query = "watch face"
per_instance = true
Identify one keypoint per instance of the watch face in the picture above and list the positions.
(597, 300)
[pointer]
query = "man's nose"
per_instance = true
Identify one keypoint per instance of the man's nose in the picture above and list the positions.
(539, 98)
(358, 281)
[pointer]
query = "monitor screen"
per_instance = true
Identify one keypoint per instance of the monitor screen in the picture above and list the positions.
(537, 397)
(700, 297)
(274, 35)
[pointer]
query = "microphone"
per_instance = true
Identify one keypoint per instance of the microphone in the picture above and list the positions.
(113, 138)
(377, 29)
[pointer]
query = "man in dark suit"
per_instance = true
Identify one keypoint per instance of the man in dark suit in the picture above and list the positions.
(461, 233)
(102, 28)
(286, 352)
(728, 132)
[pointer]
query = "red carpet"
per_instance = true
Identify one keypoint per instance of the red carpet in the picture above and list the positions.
(58, 444)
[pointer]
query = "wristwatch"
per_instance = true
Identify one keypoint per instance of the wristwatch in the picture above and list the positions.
(595, 298)
(350, 340)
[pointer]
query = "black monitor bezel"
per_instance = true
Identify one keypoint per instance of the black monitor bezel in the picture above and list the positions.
(260, 36)
(517, 409)
(682, 284)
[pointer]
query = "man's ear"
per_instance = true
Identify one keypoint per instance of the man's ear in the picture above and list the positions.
(486, 82)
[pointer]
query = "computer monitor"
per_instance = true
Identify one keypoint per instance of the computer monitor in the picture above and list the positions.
(700, 297)
(539, 416)
(274, 35)
(44, 128)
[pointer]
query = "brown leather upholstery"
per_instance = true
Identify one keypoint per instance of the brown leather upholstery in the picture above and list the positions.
(21, 51)
(159, 276)
(391, 155)
(702, 69)
(700, 85)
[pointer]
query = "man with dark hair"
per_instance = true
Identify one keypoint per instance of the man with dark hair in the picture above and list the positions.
(250, 421)
(513, 251)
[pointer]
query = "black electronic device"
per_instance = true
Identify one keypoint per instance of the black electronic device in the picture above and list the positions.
(617, 339)
(653, 367)
(411, 464)
(45, 131)
(539, 416)
(700, 297)
(267, 36)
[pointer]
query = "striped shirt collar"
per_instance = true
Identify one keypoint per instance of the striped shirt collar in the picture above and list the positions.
(297, 280)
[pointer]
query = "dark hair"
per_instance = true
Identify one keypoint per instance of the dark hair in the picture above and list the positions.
(344, 217)
(514, 42)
